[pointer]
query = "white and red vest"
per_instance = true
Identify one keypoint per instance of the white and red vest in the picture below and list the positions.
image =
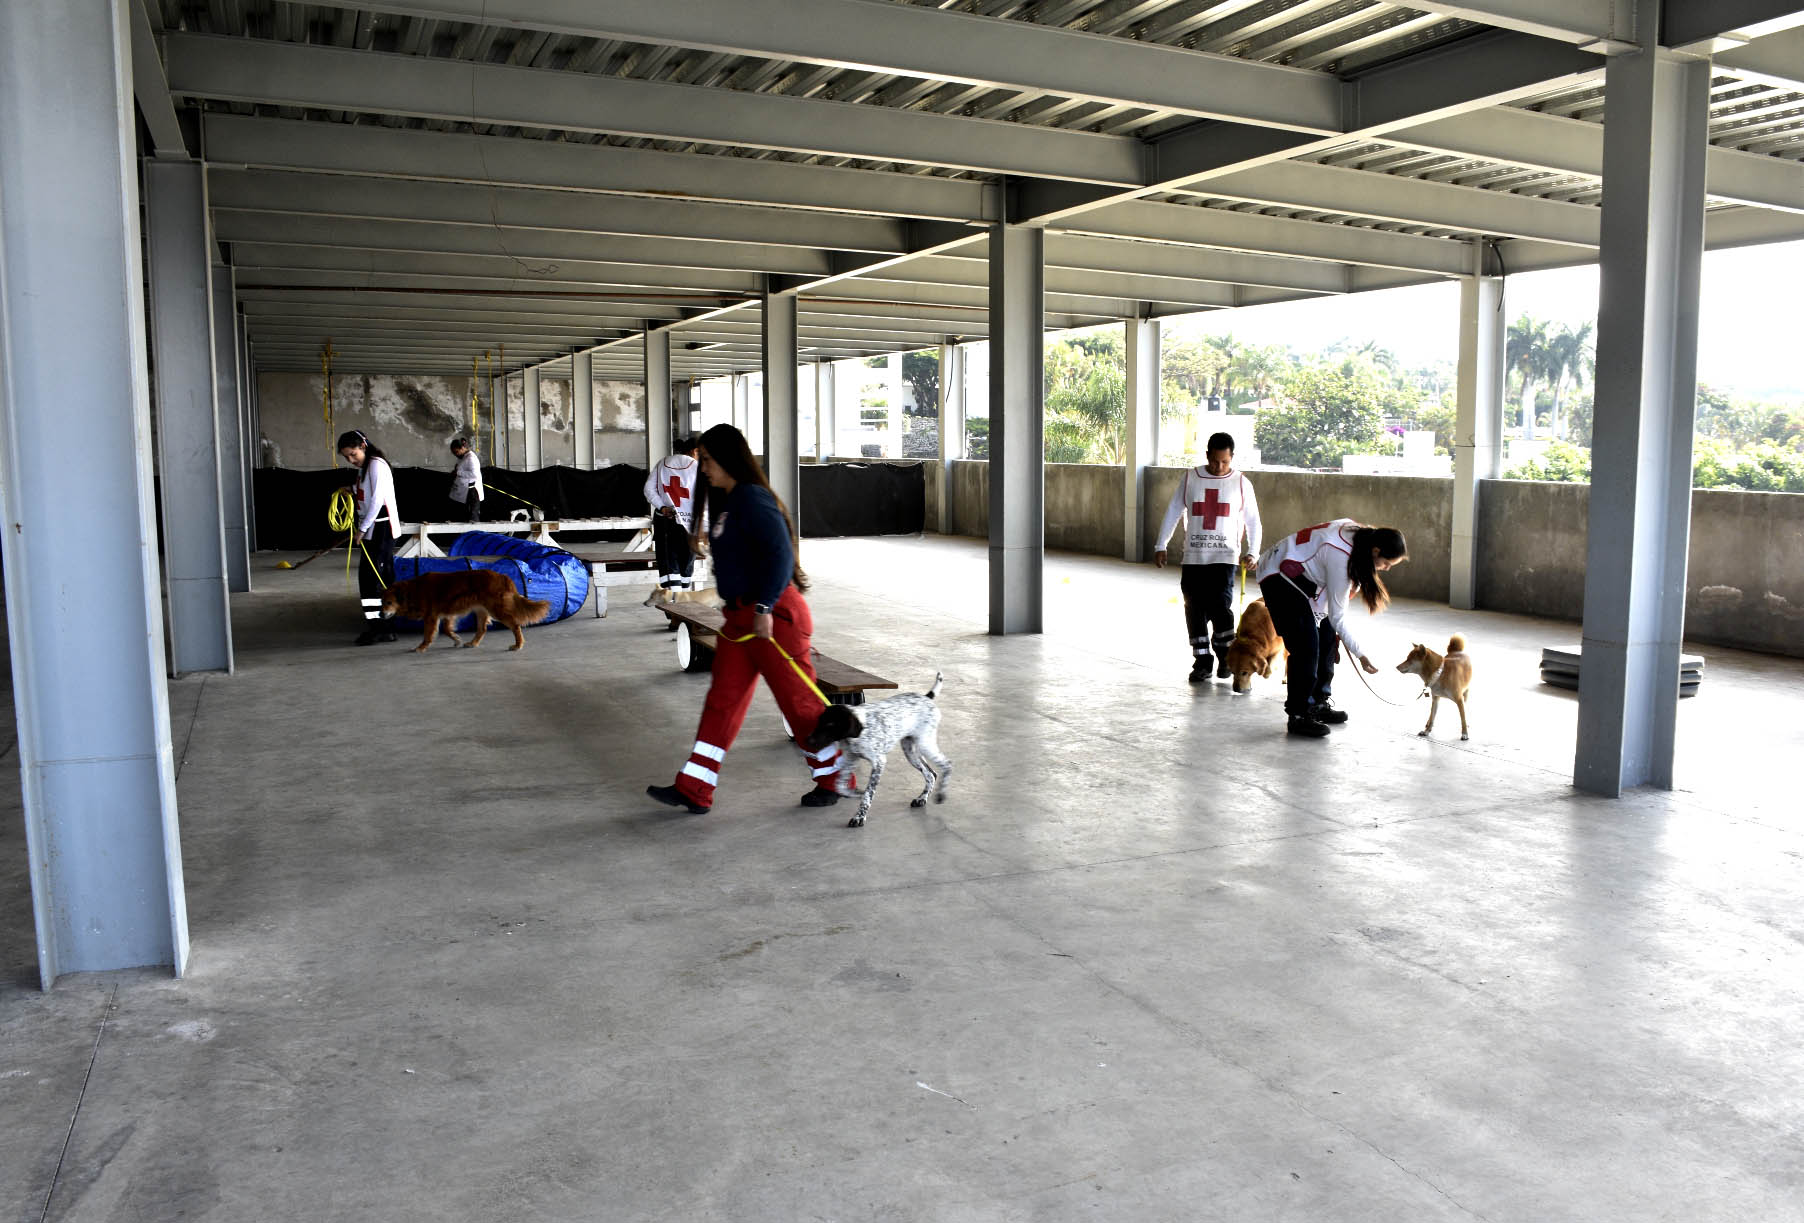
(1220, 509)
(672, 483)
(1314, 560)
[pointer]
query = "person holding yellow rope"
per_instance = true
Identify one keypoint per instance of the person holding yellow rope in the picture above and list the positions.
(768, 630)
(373, 531)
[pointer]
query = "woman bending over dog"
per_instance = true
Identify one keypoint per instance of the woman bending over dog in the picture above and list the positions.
(754, 546)
(1308, 579)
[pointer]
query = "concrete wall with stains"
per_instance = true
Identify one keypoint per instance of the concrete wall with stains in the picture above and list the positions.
(1744, 585)
(414, 419)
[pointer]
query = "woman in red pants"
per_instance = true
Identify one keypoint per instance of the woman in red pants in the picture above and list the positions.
(768, 629)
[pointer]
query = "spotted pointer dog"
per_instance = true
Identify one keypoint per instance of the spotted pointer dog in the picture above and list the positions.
(910, 721)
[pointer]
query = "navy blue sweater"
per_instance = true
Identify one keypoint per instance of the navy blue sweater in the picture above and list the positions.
(753, 557)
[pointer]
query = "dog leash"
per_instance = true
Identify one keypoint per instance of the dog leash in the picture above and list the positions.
(786, 658)
(1361, 672)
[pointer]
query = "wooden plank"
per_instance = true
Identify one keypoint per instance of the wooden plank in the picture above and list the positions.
(836, 676)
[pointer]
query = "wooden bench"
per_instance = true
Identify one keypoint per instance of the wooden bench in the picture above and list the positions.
(615, 567)
(418, 535)
(697, 625)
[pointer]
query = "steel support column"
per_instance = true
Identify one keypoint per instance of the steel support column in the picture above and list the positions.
(249, 431)
(826, 410)
(952, 426)
(189, 365)
(228, 394)
(532, 418)
(582, 409)
(1478, 429)
(1017, 411)
(657, 397)
(95, 765)
(1640, 508)
(1142, 438)
(782, 443)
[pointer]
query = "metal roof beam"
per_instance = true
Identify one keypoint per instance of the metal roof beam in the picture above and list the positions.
(373, 149)
(884, 37)
(1474, 73)
(1413, 201)
(1776, 60)
(1718, 24)
(522, 208)
(258, 70)
(1188, 225)
(1573, 21)
(493, 271)
(151, 89)
(1573, 146)
(529, 248)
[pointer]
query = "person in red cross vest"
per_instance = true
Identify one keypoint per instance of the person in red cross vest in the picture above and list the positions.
(768, 630)
(1221, 535)
(670, 490)
(1308, 579)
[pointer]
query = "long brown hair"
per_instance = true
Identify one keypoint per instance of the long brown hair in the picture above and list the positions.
(727, 446)
(1366, 580)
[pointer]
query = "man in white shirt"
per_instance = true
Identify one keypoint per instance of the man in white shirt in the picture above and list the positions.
(670, 491)
(1221, 534)
(466, 482)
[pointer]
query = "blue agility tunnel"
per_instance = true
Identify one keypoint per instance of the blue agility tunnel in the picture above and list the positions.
(538, 571)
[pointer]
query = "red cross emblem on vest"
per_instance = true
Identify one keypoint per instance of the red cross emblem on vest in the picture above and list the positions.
(1211, 509)
(674, 489)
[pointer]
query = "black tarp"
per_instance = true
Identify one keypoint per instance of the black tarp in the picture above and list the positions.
(863, 499)
(291, 505)
(837, 498)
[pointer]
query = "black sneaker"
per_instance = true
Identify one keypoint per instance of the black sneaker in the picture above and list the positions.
(370, 636)
(1328, 715)
(670, 796)
(1199, 671)
(1309, 728)
(1221, 669)
(818, 797)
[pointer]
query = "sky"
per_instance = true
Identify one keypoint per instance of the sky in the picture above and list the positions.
(1749, 326)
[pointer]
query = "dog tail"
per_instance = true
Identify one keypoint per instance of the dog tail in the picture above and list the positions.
(938, 678)
(534, 610)
(1456, 644)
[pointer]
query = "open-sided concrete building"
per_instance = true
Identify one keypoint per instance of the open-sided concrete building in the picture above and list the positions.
(198, 193)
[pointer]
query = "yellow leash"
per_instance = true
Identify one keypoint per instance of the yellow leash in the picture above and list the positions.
(786, 658)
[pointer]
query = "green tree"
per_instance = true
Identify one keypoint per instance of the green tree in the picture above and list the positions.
(921, 371)
(1086, 420)
(1526, 355)
(1329, 410)
(1570, 355)
(1561, 462)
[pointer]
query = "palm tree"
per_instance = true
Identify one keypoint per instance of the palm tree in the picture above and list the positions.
(1570, 354)
(1259, 368)
(1525, 351)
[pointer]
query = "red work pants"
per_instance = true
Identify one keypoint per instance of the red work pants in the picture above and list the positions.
(737, 666)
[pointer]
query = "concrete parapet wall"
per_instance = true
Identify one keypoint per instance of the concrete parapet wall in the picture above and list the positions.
(1744, 583)
(1744, 588)
(1084, 505)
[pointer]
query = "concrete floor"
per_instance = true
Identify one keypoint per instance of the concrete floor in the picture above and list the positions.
(1152, 961)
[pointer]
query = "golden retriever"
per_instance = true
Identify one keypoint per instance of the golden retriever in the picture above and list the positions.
(1256, 647)
(1444, 675)
(438, 599)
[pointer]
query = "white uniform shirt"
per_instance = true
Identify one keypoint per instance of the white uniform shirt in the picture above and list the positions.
(375, 494)
(1316, 557)
(672, 483)
(1220, 509)
(467, 476)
